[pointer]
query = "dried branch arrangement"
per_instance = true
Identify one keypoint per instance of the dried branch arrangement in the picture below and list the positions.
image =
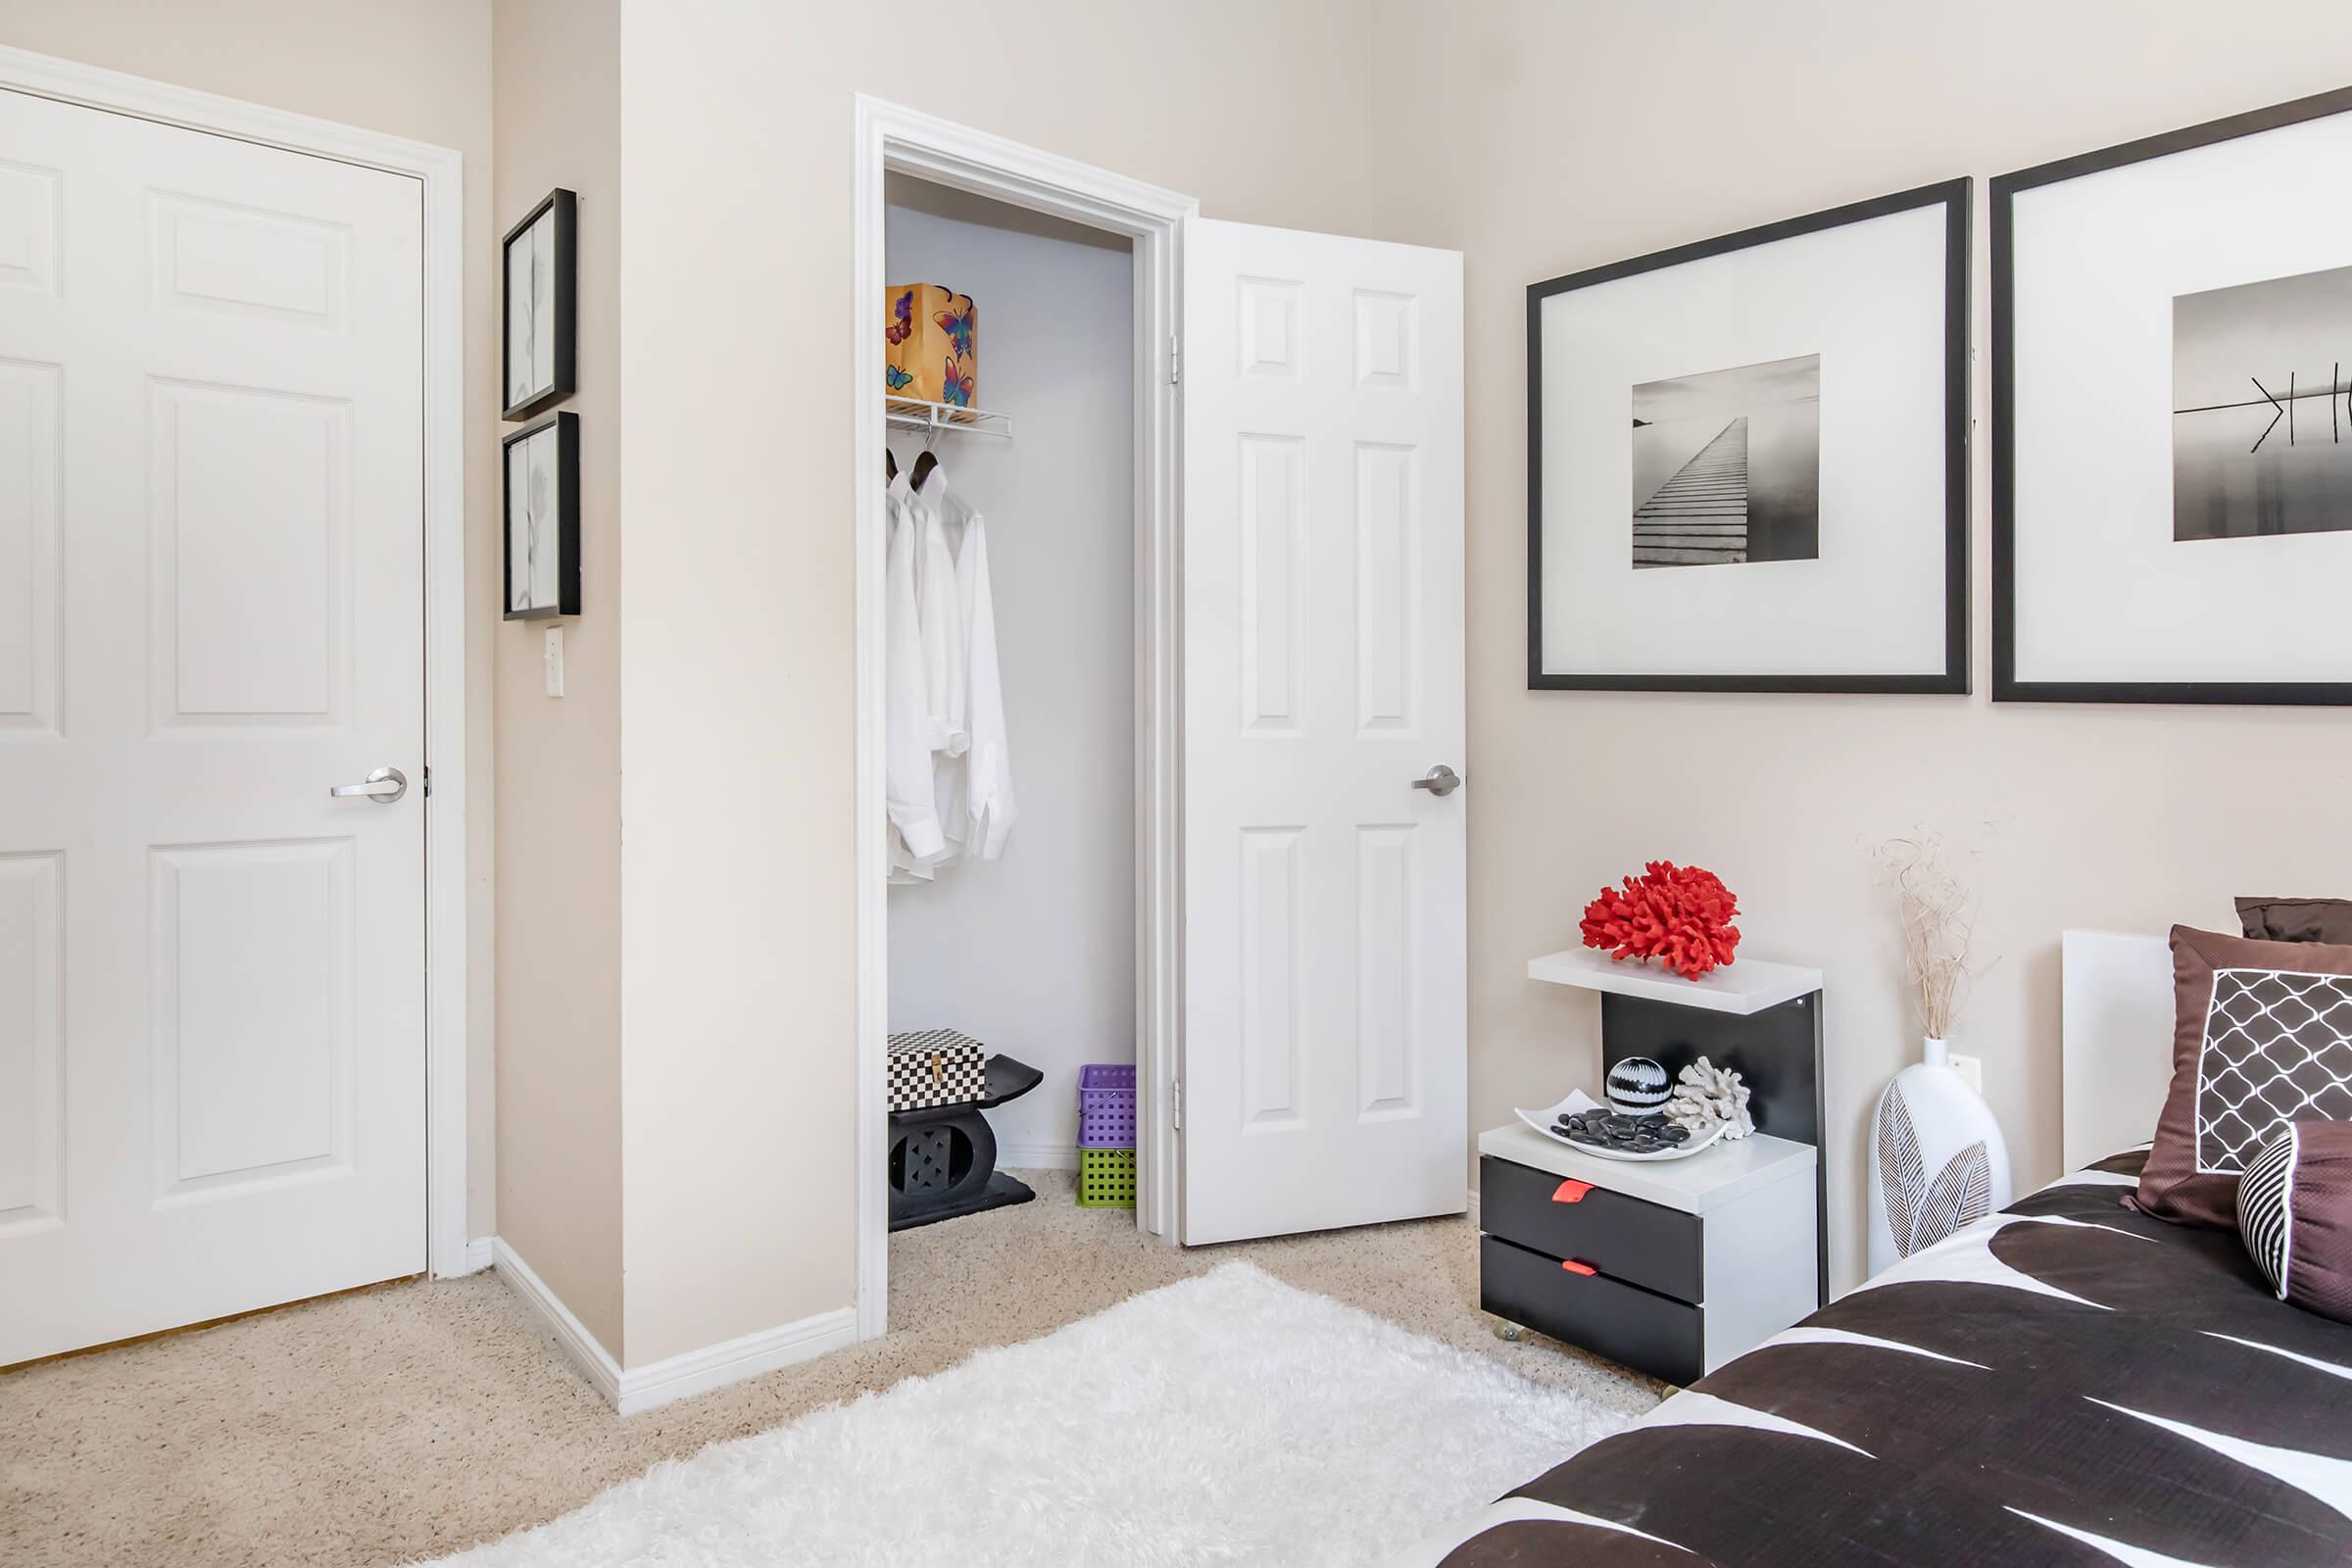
(1937, 915)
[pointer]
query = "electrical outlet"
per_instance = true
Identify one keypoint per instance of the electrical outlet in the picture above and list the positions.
(1972, 1070)
(554, 661)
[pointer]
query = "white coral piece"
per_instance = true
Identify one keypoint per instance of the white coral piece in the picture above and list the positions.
(1707, 1096)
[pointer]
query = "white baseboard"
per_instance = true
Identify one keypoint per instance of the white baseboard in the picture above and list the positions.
(480, 1253)
(718, 1365)
(641, 1388)
(1037, 1156)
(579, 1347)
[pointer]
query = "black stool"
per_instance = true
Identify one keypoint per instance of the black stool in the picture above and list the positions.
(943, 1159)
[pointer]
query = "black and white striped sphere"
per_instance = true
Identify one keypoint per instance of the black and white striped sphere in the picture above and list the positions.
(1639, 1087)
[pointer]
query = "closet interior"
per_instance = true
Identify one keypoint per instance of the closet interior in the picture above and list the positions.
(1011, 668)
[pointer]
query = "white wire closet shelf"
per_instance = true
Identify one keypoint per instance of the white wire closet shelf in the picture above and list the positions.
(912, 413)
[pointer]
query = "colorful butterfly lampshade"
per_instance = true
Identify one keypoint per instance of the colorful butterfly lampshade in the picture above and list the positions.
(933, 344)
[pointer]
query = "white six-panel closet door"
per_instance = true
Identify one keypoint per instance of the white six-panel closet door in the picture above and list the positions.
(1325, 1055)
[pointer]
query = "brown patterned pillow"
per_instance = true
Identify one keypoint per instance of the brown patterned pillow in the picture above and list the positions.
(2296, 919)
(2294, 1212)
(2262, 1035)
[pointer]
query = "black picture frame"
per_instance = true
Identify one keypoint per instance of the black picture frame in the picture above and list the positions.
(1956, 197)
(563, 207)
(567, 427)
(2006, 687)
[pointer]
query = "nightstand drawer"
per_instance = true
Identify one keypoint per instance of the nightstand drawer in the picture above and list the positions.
(1624, 1237)
(1631, 1326)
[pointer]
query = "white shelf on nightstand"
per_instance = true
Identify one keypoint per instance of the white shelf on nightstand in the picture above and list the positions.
(1741, 987)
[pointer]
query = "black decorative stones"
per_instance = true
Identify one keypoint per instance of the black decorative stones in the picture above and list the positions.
(1639, 1087)
(1621, 1134)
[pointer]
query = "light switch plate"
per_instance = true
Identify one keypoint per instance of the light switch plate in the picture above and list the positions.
(554, 661)
(1971, 1069)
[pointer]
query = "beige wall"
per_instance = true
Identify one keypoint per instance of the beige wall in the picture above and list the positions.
(737, 987)
(1543, 143)
(420, 69)
(558, 92)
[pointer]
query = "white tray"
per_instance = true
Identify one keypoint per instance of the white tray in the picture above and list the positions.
(1542, 1122)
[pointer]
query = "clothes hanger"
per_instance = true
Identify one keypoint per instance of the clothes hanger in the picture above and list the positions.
(926, 462)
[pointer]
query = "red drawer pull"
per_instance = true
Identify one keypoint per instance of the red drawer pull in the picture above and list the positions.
(1574, 1267)
(1571, 1191)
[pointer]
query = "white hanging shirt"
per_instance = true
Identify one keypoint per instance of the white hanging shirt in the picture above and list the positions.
(979, 809)
(939, 660)
(945, 678)
(912, 796)
(938, 613)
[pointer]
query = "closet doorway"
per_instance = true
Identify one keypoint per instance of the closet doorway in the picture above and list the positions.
(1023, 936)
(950, 182)
(1292, 911)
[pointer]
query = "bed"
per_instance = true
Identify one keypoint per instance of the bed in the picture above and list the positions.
(2066, 1382)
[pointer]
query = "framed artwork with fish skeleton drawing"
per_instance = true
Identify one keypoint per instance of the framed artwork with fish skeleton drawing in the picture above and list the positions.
(2171, 417)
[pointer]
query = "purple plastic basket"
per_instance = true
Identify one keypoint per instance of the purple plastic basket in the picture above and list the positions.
(1106, 1105)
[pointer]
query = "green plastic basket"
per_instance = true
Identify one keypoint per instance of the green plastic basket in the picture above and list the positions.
(1106, 1178)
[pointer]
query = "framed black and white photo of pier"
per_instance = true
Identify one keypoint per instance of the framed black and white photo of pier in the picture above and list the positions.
(1748, 460)
(2172, 418)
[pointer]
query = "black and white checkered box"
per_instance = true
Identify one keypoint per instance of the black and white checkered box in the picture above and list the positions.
(935, 1068)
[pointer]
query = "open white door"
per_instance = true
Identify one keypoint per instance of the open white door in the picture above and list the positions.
(1325, 1033)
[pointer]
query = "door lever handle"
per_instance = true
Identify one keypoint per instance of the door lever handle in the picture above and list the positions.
(1439, 781)
(384, 785)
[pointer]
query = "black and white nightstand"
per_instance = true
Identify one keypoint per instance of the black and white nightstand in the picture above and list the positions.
(1669, 1267)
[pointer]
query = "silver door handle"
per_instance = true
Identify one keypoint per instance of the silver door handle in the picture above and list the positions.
(1439, 781)
(385, 785)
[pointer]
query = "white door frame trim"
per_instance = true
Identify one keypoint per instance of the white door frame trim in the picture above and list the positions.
(892, 139)
(440, 171)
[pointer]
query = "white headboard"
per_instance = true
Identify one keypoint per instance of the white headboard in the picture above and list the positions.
(2117, 1014)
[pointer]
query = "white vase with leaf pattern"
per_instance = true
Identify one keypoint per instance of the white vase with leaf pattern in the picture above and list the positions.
(1937, 1161)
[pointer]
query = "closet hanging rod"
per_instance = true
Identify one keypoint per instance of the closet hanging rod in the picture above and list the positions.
(908, 413)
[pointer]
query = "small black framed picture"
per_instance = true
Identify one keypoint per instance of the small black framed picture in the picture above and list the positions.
(1748, 460)
(541, 268)
(543, 519)
(2172, 418)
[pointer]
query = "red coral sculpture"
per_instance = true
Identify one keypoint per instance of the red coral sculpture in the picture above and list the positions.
(1678, 913)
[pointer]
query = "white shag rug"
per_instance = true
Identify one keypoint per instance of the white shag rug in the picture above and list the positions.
(1229, 1419)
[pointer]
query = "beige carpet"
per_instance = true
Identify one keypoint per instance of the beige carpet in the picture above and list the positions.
(405, 1422)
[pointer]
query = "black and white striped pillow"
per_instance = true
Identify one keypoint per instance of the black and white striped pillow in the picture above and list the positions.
(2266, 1215)
(2294, 1213)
